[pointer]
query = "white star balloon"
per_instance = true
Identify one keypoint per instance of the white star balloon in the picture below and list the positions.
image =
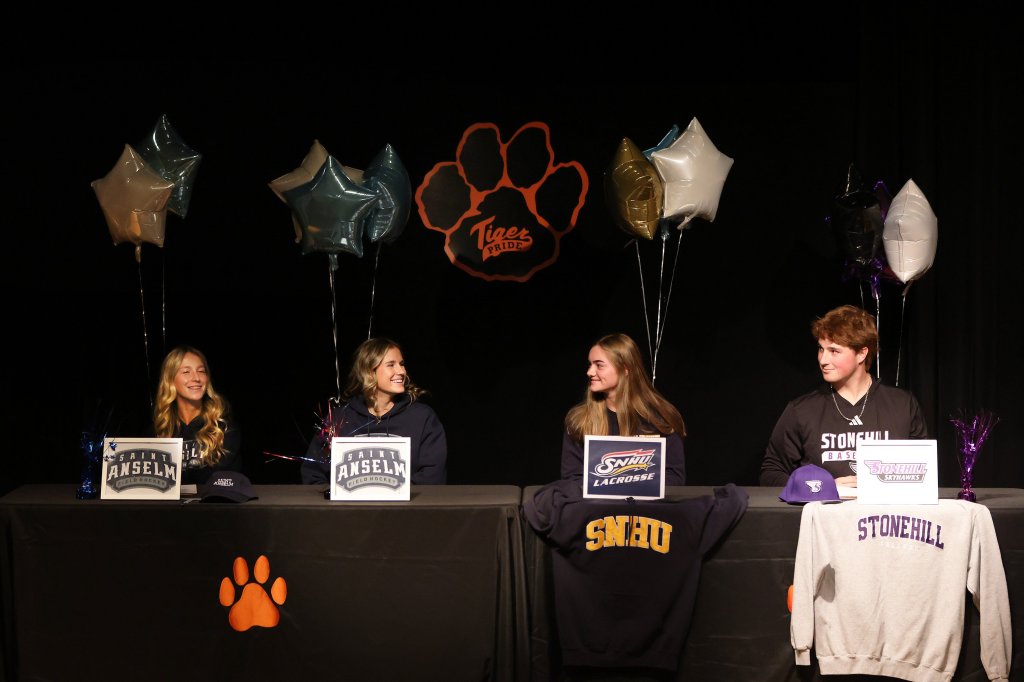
(693, 173)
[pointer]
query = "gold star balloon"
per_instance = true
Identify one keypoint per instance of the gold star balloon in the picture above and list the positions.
(633, 191)
(134, 201)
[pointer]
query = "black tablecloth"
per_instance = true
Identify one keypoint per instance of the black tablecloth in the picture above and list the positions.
(431, 589)
(442, 587)
(740, 627)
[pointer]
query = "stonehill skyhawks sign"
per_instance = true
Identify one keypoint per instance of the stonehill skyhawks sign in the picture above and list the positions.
(503, 206)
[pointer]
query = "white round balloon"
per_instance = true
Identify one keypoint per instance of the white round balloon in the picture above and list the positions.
(910, 233)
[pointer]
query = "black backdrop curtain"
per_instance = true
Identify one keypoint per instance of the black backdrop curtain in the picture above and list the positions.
(940, 102)
(934, 98)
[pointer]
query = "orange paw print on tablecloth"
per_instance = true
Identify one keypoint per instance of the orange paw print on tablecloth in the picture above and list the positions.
(503, 206)
(255, 607)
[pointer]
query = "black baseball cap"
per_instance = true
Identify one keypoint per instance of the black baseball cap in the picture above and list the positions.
(227, 486)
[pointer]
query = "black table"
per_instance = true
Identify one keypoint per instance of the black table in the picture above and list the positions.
(431, 589)
(740, 627)
(441, 587)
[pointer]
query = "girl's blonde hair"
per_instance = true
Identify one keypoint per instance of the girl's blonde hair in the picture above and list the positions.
(210, 437)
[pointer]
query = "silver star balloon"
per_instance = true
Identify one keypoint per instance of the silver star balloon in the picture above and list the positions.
(693, 172)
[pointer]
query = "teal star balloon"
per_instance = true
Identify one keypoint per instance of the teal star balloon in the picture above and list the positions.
(665, 143)
(167, 154)
(388, 178)
(330, 210)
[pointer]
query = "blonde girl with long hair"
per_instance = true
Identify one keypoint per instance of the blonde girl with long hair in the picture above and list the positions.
(187, 406)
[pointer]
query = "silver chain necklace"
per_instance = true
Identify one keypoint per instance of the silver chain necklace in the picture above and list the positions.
(854, 421)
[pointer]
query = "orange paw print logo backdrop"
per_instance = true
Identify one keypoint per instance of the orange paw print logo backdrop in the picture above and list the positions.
(503, 206)
(254, 607)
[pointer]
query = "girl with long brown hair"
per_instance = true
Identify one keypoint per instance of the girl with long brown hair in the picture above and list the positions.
(381, 400)
(621, 400)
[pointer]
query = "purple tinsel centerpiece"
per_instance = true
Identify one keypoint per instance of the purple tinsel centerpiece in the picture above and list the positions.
(971, 433)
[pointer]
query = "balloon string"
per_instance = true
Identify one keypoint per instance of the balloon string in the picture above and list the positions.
(657, 325)
(334, 328)
(668, 299)
(878, 328)
(373, 291)
(899, 350)
(643, 295)
(163, 304)
(145, 336)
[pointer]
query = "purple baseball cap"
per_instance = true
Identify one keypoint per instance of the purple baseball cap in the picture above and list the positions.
(810, 483)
